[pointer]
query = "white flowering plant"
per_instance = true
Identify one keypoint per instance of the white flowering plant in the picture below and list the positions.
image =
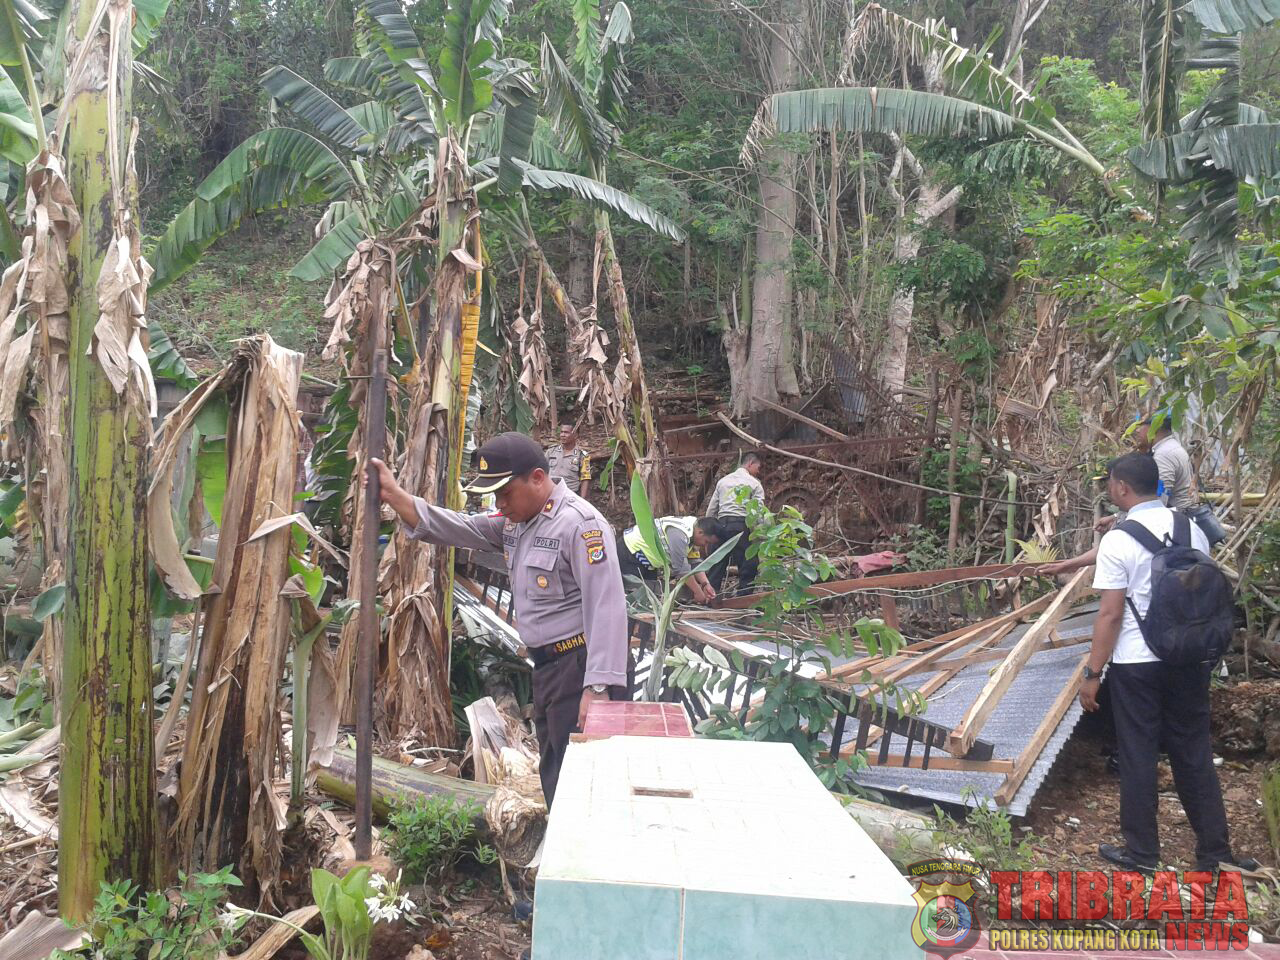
(349, 907)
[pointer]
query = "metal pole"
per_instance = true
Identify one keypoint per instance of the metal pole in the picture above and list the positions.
(370, 632)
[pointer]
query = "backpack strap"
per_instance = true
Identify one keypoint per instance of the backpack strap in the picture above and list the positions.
(1145, 537)
(1181, 529)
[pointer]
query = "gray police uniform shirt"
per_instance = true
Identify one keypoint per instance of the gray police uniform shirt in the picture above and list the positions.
(1176, 472)
(724, 498)
(573, 467)
(564, 574)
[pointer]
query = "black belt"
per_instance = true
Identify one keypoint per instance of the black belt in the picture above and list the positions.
(554, 651)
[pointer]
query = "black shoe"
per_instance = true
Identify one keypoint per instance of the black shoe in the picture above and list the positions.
(522, 910)
(1123, 859)
(1247, 864)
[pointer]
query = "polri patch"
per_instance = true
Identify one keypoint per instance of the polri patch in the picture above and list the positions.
(595, 552)
(542, 581)
(550, 543)
(593, 535)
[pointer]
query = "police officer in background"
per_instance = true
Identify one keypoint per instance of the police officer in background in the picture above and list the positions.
(569, 461)
(731, 511)
(570, 605)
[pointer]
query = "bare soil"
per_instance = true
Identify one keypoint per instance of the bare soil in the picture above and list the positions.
(1078, 806)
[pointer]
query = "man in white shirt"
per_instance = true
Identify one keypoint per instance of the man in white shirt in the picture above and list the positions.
(1155, 703)
(726, 506)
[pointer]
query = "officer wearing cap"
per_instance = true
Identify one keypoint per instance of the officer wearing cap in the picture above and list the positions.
(570, 605)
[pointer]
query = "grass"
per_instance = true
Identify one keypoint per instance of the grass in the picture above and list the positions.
(242, 287)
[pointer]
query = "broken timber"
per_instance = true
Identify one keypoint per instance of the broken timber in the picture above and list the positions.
(966, 732)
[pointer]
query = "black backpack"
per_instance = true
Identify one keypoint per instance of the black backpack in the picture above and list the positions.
(1192, 613)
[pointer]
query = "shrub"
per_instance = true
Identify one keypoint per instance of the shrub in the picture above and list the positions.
(430, 836)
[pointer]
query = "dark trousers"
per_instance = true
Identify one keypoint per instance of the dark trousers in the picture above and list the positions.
(631, 567)
(557, 696)
(747, 566)
(1159, 705)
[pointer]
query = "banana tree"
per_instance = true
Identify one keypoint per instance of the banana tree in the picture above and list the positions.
(584, 104)
(1223, 143)
(982, 101)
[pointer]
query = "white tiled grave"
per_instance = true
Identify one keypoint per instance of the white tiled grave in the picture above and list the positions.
(676, 849)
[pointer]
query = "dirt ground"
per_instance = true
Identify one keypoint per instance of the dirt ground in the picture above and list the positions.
(1078, 806)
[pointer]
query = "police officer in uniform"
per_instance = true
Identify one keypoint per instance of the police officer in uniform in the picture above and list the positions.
(570, 605)
(569, 461)
(686, 541)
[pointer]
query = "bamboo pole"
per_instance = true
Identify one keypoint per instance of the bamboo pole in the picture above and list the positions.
(953, 531)
(375, 433)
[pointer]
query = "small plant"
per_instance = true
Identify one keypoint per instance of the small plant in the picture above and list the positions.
(662, 604)
(430, 836)
(190, 925)
(987, 835)
(349, 907)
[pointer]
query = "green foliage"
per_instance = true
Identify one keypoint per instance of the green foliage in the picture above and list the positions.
(348, 928)
(189, 925)
(969, 472)
(987, 835)
(795, 708)
(27, 705)
(430, 836)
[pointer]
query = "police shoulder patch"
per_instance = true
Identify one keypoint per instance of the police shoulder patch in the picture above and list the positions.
(593, 535)
(595, 551)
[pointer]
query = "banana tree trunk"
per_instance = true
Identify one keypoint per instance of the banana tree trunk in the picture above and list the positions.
(614, 407)
(107, 787)
(228, 811)
(661, 487)
(418, 578)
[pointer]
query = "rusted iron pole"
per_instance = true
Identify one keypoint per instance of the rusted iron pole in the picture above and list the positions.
(375, 430)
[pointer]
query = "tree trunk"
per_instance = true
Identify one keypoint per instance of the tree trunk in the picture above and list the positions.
(775, 231)
(580, 253)
(658, 481)
(227, 808)
(107, 786)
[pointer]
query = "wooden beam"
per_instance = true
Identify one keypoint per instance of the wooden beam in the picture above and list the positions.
(966, 732)
(987, 656)
(947, 643)
(1031, 752)
(801, 418)
(897, 581)
(940, 761)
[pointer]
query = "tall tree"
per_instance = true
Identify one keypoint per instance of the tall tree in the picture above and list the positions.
(106, 797)
(768, 372)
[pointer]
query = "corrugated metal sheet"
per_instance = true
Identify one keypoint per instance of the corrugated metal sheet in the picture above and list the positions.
(1011, 726)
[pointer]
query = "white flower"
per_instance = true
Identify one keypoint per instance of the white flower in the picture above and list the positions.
(379, 911)
(233, 917)
(405, 904)
(378, 881)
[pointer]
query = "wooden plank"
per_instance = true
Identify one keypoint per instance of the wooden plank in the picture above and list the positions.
(966, 732)
(1031, 752)
(801, 418)
(931, 650)
(943, 762)
(919, 578)
(889, 610)
(987, 656)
